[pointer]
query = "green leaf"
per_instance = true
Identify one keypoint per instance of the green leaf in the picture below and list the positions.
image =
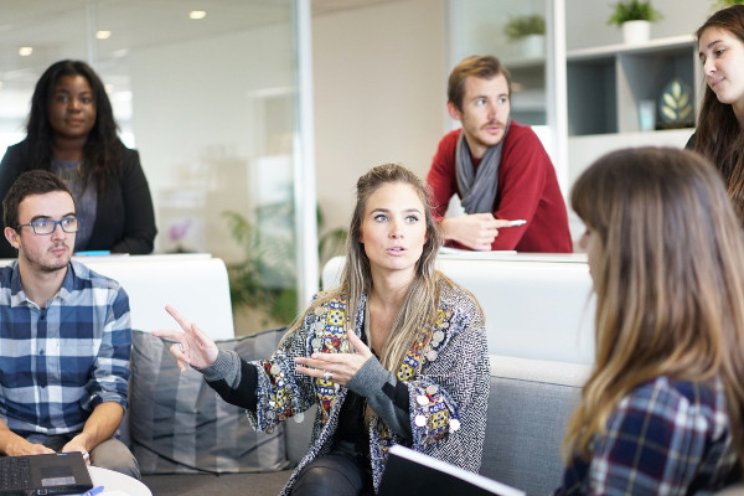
(676, 89)
(519, 27)
(265, 278)
(669, 100)
(633, 10)
(684, 100)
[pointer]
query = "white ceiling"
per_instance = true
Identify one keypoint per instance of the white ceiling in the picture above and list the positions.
(59, 29)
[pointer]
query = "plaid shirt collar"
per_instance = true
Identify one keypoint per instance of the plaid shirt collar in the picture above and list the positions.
(18, 295)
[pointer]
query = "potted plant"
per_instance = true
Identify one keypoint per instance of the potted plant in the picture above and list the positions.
(529, 32)
(722, 4)
(264, 281)
(635, 17)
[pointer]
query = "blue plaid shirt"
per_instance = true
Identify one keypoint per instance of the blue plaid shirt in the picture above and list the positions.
(665, 437)
(58, 363)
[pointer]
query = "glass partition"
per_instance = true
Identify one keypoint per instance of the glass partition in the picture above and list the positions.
(209, 98)
(515, 33)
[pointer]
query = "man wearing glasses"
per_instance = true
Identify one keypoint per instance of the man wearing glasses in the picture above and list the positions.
(65, 335)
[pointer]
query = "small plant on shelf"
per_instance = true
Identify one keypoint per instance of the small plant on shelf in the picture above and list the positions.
(523, 26)
(633, 10)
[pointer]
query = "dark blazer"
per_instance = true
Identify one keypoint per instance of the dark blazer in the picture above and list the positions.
(125, 220)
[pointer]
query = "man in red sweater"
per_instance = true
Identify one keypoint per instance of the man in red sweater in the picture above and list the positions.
(497, 167)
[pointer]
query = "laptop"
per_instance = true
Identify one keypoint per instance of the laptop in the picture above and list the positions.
(410, 472)
(42, 475)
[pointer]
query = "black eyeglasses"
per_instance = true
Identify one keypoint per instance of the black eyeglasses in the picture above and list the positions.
(45, 227)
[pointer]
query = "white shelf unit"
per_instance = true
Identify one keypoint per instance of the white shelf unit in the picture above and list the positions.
(606, 84)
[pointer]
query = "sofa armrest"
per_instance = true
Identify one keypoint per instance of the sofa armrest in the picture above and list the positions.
(528, 409)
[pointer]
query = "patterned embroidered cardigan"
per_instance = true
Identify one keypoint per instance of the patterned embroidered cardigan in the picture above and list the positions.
(446, 371)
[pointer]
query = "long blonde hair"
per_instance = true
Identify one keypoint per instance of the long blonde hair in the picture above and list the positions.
(422, 297)
(669, 282)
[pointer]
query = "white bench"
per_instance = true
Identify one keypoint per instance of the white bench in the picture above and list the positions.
(536, 306)
(195, 284)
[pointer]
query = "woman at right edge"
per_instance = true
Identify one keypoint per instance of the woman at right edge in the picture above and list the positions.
(662, 410)
(720, 130)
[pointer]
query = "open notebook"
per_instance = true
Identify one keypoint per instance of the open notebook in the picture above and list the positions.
(64, 473)
(410, 472)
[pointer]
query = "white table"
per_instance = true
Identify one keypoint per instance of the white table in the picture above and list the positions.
(116, 484)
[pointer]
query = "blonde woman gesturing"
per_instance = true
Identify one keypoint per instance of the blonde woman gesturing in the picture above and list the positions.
(396, 355)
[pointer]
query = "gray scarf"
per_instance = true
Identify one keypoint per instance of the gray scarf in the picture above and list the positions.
(478, 190)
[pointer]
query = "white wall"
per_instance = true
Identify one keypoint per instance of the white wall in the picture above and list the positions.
(380, 92)
(485, 21)
(200, 116)
(586, 21)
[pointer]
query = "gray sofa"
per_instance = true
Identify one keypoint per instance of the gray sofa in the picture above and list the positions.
(530, 402)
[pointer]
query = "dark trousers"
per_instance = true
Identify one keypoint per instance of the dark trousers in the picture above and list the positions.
(337, 474)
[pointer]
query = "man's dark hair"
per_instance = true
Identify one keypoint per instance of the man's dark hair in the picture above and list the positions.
(34, 182)
(481, 66)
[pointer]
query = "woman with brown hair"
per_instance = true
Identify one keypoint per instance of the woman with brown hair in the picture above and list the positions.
(720, 130)
(395, 355)
(662, 411)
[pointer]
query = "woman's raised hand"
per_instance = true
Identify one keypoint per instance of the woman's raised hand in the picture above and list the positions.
(336, 367)
(192, 346)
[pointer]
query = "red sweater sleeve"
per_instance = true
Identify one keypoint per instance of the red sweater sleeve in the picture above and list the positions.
(521, 184)
(528, 189)
(441, 178)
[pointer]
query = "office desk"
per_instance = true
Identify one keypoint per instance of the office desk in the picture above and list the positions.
(195, 284)
(536, 306)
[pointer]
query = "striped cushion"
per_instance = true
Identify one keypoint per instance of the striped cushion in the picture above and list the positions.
(178, 424)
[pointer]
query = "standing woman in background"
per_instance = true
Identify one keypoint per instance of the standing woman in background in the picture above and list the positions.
(663, 409)
(719, 135)
(71, 131)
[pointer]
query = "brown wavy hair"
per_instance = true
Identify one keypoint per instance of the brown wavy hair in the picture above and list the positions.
(719, 136)
(480, 66)
(669, 282)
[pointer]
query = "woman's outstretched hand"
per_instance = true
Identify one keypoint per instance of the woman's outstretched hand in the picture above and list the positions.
(337, 367)
(192, 346)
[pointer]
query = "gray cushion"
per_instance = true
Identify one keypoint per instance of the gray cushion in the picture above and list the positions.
(525, 429)
(178, 424)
